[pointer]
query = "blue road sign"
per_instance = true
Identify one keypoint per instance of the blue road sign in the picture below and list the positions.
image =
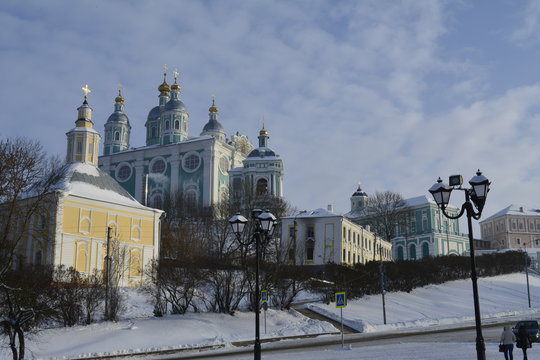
(264, 296)
(341, 300)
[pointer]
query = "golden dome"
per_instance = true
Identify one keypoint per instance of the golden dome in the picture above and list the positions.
(175, 86)
(263, 130)
(119, 98)
(213, 108)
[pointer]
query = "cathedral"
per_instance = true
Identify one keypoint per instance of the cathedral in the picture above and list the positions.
(201, 168)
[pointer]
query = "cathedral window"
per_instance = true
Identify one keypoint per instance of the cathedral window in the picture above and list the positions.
(177, 124)
(154, 134)
(167, 125)
(38, 257)
(191, 162)
(116, 136)
(262, 187)
(124, 172)
(158, 166)
(157, 202)
(79, 147)
(191, 200)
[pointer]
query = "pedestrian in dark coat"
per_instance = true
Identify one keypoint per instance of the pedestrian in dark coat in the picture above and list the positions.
(523, 340)
(507, 340)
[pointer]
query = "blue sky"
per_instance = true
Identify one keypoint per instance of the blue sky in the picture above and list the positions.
(390, 93)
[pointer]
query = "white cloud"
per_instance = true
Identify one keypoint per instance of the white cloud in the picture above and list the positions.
(347, 87)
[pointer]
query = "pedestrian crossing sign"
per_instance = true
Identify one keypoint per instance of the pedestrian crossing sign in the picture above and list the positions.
(341, 300)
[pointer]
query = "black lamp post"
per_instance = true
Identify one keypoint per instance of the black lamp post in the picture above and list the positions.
(264, 225)
(475, 195)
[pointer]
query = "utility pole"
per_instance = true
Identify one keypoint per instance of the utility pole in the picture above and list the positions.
(107, 275)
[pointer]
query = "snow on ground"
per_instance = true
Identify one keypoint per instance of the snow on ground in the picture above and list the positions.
(448, 303)
(442, 304)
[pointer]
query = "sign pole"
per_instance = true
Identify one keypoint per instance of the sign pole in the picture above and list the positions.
(342, 341)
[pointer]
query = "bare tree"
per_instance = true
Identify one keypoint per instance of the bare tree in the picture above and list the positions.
(27, 176)
(383, 213)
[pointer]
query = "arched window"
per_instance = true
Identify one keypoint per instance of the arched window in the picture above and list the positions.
(167, 125)
(177, 124)
(412, 252)
(310, 249)
(157, 202)
(116, 135)
(154, 133)
(191, 200)
(262, 187)
(38, 257)
(425, 250)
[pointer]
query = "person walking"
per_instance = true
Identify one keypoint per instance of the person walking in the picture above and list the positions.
(507, 340)
(523, 340)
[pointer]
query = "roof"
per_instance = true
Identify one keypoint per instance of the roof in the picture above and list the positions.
(320, 212)
(419, 200)
(88, 181)
(514, 209)
(262, 152)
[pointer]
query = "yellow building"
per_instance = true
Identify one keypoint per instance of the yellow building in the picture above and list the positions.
(90, 213)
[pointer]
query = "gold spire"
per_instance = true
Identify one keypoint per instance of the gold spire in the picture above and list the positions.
(175, 86)
(213, 108)
(263, 130)
(164, 87)
(119, 98)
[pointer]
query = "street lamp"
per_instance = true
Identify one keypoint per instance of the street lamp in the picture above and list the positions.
(264, 225)
(475, 195)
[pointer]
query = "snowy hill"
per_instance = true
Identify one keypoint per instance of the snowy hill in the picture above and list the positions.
(448, 303)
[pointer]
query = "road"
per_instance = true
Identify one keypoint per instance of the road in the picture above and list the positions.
(491, 334)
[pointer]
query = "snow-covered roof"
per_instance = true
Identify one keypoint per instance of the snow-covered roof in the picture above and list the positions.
(320, 212)
(419, 200)
(514, 209)
(88, 181)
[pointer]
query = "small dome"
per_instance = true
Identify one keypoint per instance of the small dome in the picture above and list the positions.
(175, 86)
(213, 126)
(119, 98)
(154, 113)
(261, 152)
(359, 192)
(164, 87)
(175, 104)
(118, 117)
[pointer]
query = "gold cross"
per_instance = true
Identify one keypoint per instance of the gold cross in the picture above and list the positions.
(213, 99)
(176, 73)
(165, 68)
(86, 90)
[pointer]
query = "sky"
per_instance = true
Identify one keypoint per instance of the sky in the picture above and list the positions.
(390, 93)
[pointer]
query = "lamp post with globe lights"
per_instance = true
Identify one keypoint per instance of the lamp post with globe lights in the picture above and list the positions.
(264, 225)
(475, 197)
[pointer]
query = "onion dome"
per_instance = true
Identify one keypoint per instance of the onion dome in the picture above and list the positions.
(213, 108)
(119, 98)
(164, 88)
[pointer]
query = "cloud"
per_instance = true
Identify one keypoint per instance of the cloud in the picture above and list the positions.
(350, 90)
